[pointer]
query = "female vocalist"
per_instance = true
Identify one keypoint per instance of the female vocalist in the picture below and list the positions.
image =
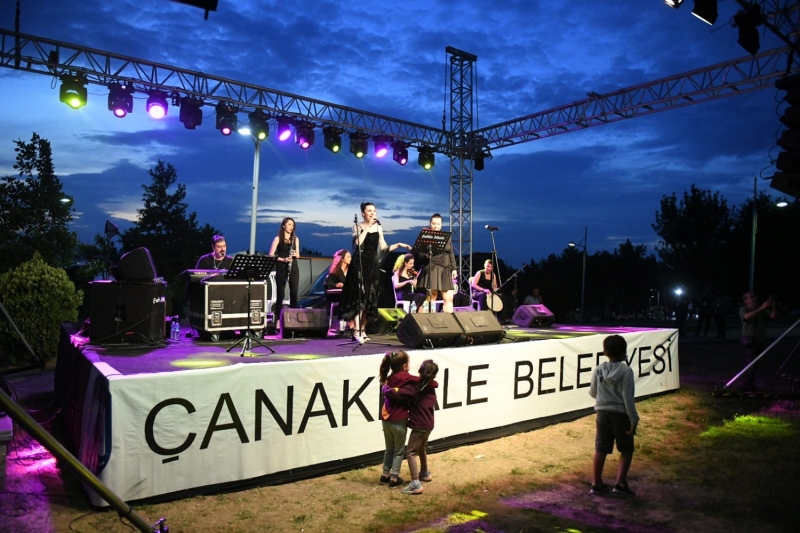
(286, 245)
(438, 277)
(404, 281)
(360, 292)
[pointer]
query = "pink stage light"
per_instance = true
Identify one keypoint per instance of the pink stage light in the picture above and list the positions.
(284, 128)
(120, 112)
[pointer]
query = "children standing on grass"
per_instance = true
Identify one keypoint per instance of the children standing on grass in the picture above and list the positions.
(394, 416)
(613, 389)
(421, 394)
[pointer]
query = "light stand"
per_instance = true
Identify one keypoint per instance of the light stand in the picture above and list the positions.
(583, 243)
(250, 267)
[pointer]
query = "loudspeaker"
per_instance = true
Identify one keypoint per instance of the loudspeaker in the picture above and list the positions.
(464, 309)
(528, 316)
(387, 320)
(127, 312)
(480, 327)
(136, 265)
(430, 329)
(304, 322)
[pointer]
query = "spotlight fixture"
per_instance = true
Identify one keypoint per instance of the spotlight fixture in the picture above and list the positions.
(226, 118)
(426, 158)
(73, 90)
(120, 99)
(747, 20)
(304, 135)
(259, 124)
(381, 145)
(706, 10)
(674, 4)
(478, 161)
(358, 144)
(333, 139)
(190, 114)
(400, 152)
(284, 128)
(157, 104)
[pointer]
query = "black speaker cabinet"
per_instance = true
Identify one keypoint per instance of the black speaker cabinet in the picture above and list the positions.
(480, 327)
(464, 309)
(387, 320)
(527, 316)
(430, 329)
(136, 265)
(123, 311)
(304, 322)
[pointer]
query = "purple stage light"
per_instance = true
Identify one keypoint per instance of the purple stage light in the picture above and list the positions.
(157, 104)
(382, 146)
(284, 128)
(157, 111)
(120, 112)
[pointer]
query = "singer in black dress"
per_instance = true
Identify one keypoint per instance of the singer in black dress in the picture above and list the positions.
(440, 273)
(286, 245)
(359, 300)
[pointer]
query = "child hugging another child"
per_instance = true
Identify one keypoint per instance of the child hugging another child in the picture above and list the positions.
(394, 416)
(612, 388)
(420, 392)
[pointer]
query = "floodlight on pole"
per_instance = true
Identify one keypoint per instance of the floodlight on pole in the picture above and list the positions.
(583, 245)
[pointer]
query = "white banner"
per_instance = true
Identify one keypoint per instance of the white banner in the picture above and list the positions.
(179, 430)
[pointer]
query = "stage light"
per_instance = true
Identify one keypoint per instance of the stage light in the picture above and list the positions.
(426, 158)
(120, 99)
(400, 152)
(478, 164)
(73, 90)
(706, 10)
(157, 104)
(304, 135)
(333, 141)
(190, 114)
(259, 125)
(358, 144)
(747, 20)
(226, 118)
(284, 128)
(381, 146)
(674, 4)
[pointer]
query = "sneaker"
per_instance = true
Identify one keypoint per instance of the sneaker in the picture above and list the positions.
(384, 480)
(396, 483)
(599, 489)
(624, 490)
(425, 476)
(415, 487)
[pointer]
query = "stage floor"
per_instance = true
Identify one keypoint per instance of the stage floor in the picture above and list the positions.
(192, 352)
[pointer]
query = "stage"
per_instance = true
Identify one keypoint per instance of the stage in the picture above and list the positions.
(160, 423)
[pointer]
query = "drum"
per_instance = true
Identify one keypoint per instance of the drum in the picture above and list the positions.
(494, 303)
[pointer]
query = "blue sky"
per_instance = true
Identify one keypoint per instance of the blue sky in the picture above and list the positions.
(389, 58)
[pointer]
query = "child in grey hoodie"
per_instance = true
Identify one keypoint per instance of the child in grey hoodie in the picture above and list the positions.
(613, 389)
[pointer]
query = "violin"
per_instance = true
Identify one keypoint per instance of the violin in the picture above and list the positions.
(413, 273)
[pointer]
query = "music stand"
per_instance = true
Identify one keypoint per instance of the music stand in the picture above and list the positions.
(431, 242)
(250, 267)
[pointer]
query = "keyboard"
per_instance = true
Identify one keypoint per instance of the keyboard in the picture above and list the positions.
(198, 274)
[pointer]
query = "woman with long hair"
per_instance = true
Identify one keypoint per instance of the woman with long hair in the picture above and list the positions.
(404, 281)
(337, 273)
(286, 245)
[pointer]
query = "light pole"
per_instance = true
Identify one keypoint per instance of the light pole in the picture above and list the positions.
(582, 244)
(755, 230)
(254, 206)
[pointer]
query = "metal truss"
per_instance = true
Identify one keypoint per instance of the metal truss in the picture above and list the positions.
(54, 58)
(781, 18)
(730, 78)
(462, 81)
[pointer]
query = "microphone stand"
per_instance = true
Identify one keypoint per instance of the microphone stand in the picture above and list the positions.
(495, 269)
(361, 293)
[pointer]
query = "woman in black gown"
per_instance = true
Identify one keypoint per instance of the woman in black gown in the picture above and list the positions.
(359, 299)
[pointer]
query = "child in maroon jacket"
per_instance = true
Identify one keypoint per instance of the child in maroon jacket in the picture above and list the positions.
(421, 393)
(394, 416)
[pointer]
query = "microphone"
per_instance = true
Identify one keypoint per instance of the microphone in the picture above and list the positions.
(492, 228)
(378, 222)
(355, 218)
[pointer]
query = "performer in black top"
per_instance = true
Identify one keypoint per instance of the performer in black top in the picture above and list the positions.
(438, 276)
(286, 245)
(355, 304)
(404, 281)
(338, 271)
(485, 283)
(216, 260)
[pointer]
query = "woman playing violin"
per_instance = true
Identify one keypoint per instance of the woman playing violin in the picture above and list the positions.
(404, 281)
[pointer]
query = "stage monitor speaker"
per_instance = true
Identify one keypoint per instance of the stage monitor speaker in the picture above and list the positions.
(304, 322)
(527, 316)
(480, 327)
(387, 320)
(464, 309)
(430, 329)
(136, 265)
(127, 312)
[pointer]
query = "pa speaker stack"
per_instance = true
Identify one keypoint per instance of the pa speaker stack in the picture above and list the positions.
(128, 312)
(304, 322)
(480, 327)
(527, 316)
(439, 330)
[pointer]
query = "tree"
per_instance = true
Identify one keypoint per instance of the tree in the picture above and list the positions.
(32, 214)
(173, 237)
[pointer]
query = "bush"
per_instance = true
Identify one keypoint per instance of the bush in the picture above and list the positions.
(38, 298)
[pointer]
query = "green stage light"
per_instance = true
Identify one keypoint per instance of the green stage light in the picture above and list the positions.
(333, 139)
(259, 124)
(73, 90)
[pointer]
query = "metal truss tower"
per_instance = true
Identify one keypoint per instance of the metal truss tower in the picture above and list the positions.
(462, 107)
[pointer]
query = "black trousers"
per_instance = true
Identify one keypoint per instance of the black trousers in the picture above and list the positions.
(281, 276)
